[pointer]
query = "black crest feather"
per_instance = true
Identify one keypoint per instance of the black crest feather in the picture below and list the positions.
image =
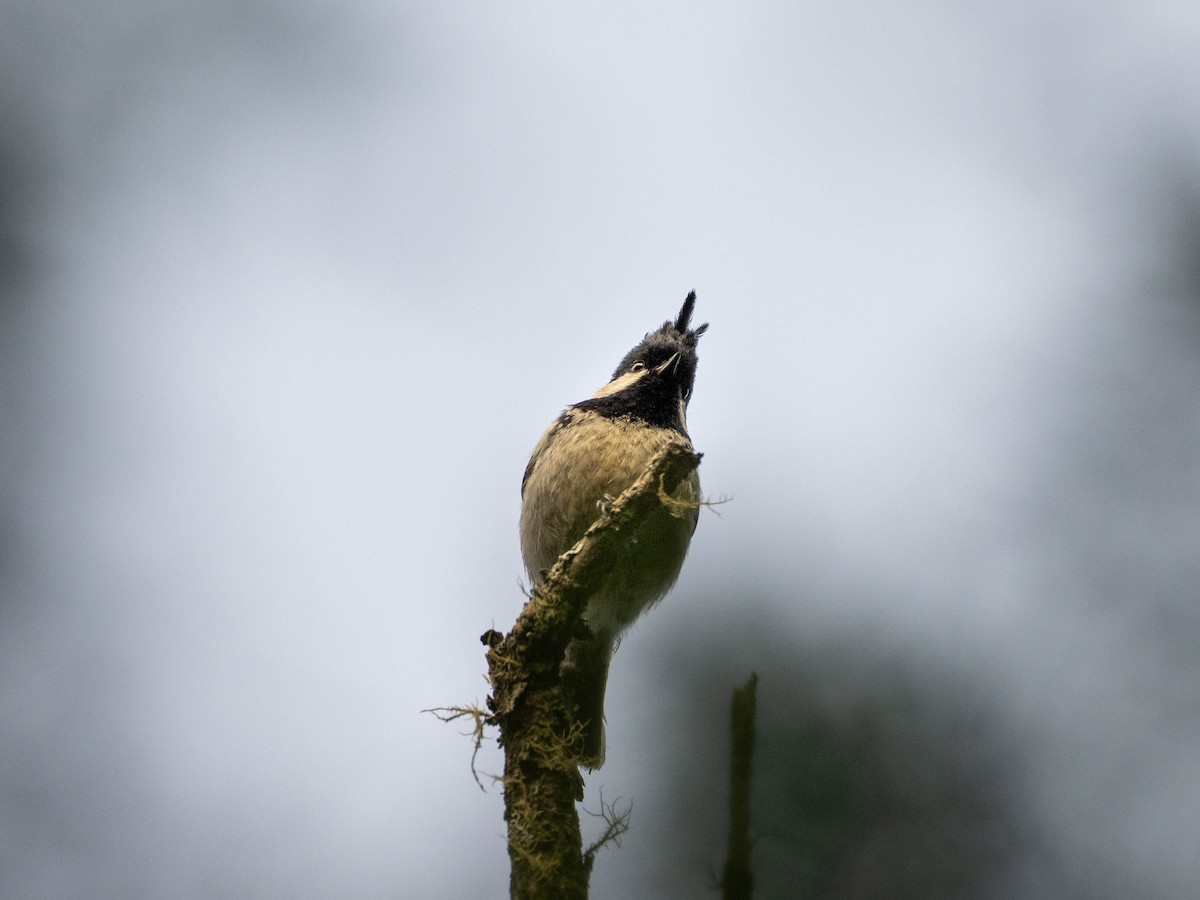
(683, 320)
(685, 317)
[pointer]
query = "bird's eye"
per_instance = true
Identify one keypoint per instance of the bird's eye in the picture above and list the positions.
(637, 366)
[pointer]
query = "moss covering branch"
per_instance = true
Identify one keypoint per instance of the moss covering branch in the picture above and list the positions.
(538, 731)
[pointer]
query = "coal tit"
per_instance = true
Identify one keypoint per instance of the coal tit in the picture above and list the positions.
(595, 450)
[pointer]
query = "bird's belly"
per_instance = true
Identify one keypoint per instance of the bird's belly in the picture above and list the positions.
(593, 465)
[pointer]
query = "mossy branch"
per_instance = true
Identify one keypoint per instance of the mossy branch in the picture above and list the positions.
(538, 731)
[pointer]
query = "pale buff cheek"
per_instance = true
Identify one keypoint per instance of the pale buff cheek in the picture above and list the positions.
(620, 383)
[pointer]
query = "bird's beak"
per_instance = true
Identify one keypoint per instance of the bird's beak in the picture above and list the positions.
(671, 363)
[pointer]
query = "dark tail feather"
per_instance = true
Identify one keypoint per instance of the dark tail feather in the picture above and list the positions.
(585, 675)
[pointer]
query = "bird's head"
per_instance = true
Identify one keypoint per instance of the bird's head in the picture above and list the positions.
(666, 355)
(654, 381)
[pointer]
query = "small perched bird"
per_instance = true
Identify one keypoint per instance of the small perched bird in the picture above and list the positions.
(594, 451)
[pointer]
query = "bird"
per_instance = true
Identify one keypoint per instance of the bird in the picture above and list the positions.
(587, 457)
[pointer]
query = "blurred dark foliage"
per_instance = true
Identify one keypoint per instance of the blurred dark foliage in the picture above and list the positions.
(875, 775)
(21, 185)
(1178, 210)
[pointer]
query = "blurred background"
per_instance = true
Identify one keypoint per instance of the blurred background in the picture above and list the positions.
(288, 291)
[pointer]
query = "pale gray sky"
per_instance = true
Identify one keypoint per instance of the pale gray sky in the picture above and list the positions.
(296, 287)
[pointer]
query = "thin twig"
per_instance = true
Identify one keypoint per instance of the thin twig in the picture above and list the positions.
(479, 717)
(737, 879)
(615, 825)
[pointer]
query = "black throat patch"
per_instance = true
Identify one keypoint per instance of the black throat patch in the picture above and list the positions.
(655, 402)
